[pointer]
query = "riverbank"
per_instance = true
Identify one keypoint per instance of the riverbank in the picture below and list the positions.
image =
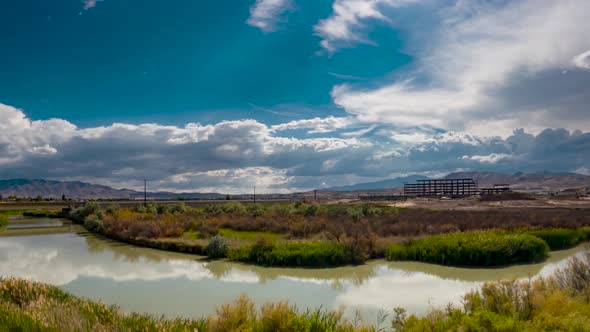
(311, 235)
(559, 302)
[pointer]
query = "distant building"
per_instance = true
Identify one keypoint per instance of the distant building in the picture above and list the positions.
(451, 188)
(443, 187)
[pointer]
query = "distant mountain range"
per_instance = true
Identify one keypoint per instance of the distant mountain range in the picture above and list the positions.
(522, 181)
(76, 189)
(528, 181)
(385, 184)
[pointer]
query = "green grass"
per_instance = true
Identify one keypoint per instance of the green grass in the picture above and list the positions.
(561, 238)
(489, 248)
(192, 235)
(3, 221)
(248, 236)
(310, 254)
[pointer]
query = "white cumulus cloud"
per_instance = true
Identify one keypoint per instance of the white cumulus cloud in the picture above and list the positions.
(583, 60)
(267, 14)
(483, 66)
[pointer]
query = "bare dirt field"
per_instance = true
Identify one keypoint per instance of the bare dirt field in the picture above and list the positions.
(477, 204)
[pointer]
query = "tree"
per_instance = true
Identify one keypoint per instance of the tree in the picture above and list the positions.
(63, 197)
(39, 198)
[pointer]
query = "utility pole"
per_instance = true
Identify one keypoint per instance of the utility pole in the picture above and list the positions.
(254, 194)
(315, 195)
(145, 193)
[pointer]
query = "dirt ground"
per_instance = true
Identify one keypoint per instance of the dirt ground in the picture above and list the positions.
(476, 204)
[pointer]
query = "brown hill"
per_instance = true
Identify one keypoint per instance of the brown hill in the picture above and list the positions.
(527, 181)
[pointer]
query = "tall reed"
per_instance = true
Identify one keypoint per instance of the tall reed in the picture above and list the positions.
(488, 248)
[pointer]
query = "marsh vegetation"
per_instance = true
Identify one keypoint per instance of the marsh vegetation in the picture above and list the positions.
(308, 234)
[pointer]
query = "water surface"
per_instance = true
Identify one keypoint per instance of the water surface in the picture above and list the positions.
(158, 282)
(22, 223)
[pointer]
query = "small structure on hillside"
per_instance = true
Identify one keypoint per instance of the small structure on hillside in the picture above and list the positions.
(497, 189)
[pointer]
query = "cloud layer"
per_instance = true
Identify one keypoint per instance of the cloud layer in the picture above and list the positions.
(479, 70)
(233, 156)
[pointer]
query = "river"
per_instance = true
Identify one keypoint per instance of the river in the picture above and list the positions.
(163, 283)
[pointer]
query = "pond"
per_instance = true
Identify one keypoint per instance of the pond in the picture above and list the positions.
(158, 282)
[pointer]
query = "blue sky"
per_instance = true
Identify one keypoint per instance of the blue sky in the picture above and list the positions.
(291, 94)
(193, 61)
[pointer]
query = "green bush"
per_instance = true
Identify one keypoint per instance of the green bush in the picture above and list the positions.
(311, 254)
(217, 247)
(311, 210)
(472, 249)
(284, 209)
(3, 221)
(560, 238)
(93, 223)
(79, 215)
(256, 210)
(234, 207)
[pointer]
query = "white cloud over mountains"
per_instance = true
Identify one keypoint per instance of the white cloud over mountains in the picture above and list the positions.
(233, 156)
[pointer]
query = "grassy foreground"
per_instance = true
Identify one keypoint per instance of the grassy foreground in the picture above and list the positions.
(557, 303)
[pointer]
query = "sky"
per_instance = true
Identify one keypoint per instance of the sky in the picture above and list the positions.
(291, 95)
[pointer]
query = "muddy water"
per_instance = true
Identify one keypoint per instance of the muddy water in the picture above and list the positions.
(158, 282)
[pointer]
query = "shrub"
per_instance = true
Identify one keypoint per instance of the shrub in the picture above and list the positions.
(355, 214)
(311, 254)
(256, 210)
(140, 209)
(152, 208)
(217, 247)
(234, 208)
(576, 276)
(179, 208)
(283, 209)
(311, 211)
(560, 238)
(169, 208)
(472, 249)
(113, 209)
(80, 214)
(94, 224)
